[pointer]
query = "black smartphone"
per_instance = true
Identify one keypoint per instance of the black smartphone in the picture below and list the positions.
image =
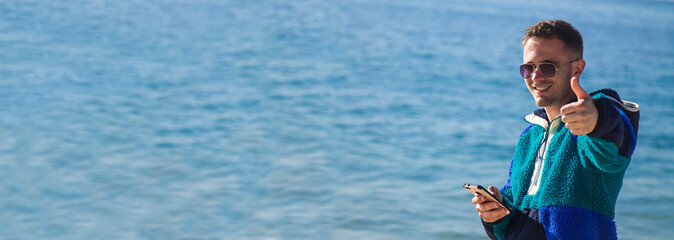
(479, 190)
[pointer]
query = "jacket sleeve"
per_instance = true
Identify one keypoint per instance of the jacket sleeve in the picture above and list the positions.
(498, 230)
(518, 224)
(609, 146)
(615, 125)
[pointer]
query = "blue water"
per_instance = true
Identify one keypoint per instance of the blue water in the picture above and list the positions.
(278, 119)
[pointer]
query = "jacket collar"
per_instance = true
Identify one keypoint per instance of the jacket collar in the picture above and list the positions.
(540, 117)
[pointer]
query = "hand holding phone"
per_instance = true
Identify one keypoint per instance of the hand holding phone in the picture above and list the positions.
(481, 191)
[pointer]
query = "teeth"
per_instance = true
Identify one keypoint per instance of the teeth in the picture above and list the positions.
(541, 88)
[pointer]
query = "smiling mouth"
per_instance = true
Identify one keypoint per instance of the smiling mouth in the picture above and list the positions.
(540, 89)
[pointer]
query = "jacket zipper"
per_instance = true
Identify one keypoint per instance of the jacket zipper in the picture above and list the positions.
(540, 158)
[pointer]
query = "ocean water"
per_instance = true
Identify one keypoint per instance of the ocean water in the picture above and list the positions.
(277, 119)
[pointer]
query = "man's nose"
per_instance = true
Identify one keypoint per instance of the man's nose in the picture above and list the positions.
(537, 75)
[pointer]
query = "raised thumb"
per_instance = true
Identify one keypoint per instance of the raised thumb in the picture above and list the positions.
(578, 90)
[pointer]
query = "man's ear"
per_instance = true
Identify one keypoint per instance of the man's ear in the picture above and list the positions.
(578, 67)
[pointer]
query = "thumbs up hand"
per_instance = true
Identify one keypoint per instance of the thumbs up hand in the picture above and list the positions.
(580, 117)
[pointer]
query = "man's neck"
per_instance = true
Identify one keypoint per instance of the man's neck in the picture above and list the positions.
(552, 112)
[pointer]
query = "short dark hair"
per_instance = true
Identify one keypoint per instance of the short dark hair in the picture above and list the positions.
(556, 29)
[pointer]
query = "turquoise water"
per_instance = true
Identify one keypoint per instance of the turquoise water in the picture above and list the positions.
(298, 119)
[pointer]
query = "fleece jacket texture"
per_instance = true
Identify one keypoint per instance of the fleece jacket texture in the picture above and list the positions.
(581, 176)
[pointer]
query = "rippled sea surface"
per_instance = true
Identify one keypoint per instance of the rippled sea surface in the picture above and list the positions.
(275, 119)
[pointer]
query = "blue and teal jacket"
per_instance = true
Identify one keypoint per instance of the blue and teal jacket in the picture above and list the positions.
(576, 180)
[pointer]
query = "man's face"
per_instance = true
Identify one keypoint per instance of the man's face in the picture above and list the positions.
(555, 91)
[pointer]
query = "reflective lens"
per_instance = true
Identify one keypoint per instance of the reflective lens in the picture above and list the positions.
(547, 69)
(526, 70)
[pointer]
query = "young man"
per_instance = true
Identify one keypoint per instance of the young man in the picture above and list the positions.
(570, 160)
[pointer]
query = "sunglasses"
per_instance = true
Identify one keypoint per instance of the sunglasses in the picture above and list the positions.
(548, 69)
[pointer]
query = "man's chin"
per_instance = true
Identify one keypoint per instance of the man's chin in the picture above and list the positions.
(542, 102)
